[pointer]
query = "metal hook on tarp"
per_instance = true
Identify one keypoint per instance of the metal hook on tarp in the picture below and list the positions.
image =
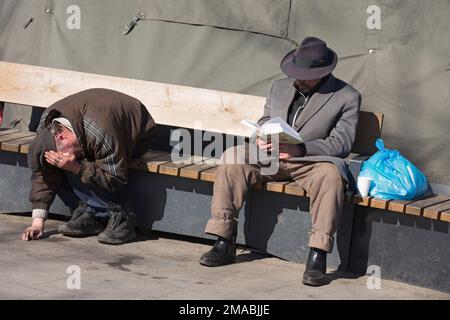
(284, 36)
(28, 22)
(129, 27)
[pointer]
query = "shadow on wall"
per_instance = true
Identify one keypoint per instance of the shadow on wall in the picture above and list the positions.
(279, 224)
(172, 204)
(406, 248)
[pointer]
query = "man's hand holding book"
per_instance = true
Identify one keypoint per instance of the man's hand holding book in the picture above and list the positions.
(290, 143)
(286, 150)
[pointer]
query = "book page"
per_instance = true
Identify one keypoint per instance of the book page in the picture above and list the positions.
(276, 125)
(279, 126)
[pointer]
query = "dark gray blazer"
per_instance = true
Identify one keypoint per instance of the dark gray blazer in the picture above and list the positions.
(328, 122)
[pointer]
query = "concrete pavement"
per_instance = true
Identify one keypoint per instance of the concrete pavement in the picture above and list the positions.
(160, 268)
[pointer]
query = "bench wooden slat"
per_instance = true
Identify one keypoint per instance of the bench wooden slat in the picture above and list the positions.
(141, 162)
(208, 175)
(294, 189)
(194, 171)
(434, 207)
(173, 105)
(379, 203)
(173, 168)
(7, 131)
(272, 186)
(399, 205)
(445, 216)
(16, 144)
(15, 135)
(151, 161)
(417, 207)
(362, 201)
(25, 148)
(433, 212)
(153, 165)
(275, 186)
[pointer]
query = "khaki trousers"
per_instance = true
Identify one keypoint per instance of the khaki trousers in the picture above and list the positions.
(321, 180)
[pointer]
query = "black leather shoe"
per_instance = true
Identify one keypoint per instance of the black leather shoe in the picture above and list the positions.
(223, 252)
(316, 268)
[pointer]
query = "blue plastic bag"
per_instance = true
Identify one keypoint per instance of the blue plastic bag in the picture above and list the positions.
(393, 176)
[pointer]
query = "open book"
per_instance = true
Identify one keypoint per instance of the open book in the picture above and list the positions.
(275, 126)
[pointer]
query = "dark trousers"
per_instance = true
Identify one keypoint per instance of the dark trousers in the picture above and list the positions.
(73, 192)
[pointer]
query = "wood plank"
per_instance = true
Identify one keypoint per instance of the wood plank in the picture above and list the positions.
(416, 208)
(445, 216)
(275, 186)
(293, 188)
(362, 201)
(14, 145)
(398, 205)
(208, 175)
(153, 165)
(193, 171)
(173, 168)
(178, 106)
(8, 131)
(379, 203)
(433, 212)
(16, 135)
(141, 162)
(24, 148)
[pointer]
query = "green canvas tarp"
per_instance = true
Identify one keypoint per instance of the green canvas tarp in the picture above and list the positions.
(401, 69)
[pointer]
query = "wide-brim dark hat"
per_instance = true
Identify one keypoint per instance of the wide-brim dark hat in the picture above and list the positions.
(311, 60)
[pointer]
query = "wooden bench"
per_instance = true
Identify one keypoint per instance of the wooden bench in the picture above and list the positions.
(435, 207)
(180, 107)
(221, 112)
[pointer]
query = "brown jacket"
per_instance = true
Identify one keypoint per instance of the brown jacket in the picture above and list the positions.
(111, 127)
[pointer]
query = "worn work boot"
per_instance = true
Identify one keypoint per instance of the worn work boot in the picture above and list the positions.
(223, 252)
(316, 268)
(82, 223)
(120, 228)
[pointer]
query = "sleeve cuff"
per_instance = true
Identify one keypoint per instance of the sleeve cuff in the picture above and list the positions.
(311, 150)
(39, 213)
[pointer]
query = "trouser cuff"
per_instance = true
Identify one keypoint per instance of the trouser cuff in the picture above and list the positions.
(221, 227)
(321, 240)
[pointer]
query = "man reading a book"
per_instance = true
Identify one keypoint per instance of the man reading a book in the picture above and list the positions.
(324, 111)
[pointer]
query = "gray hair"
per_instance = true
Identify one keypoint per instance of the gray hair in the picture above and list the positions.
(55, 128)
